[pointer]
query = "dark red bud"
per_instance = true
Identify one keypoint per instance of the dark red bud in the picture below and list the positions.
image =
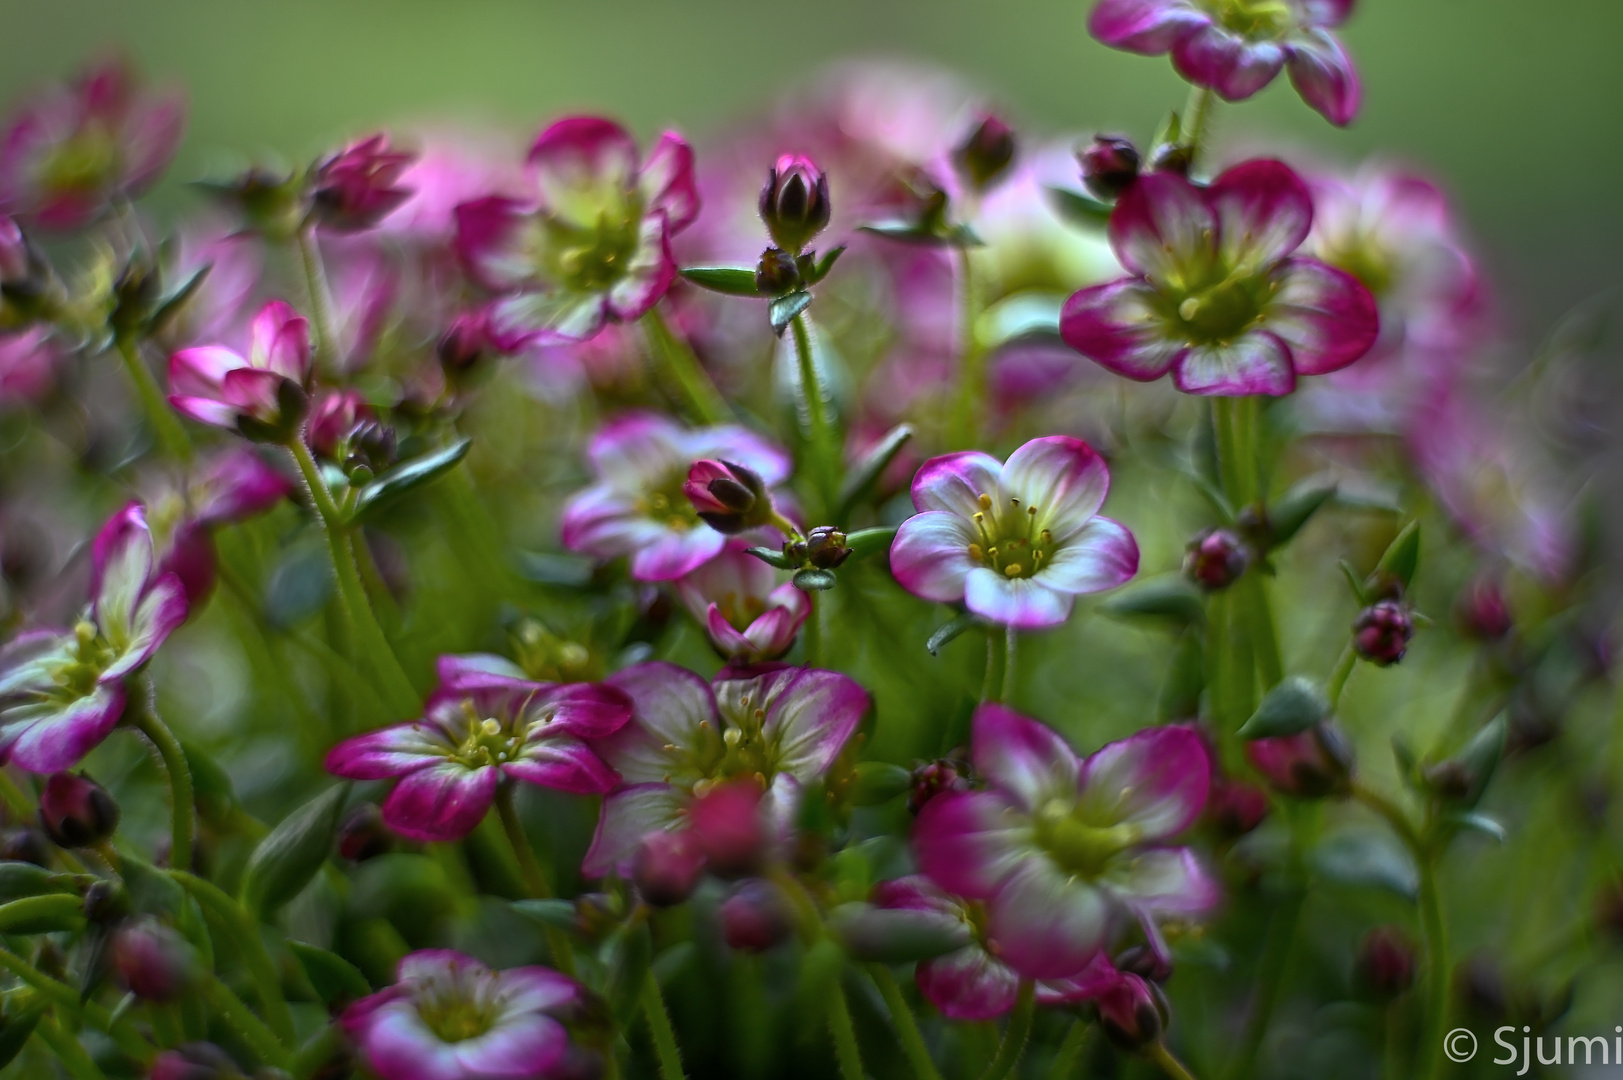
(1382, 631)
(795, 203)
(26, 845)
(777, 273)
(755, 916)
(667, 867)
(729, 828)
(106, 902)
(1109, 165)
(1216, 559)
(362, 835)
(985, 154)
(1385, 963)
(1236, 809)
(825, 547)
(728, 497)
(1482, 612)
(932, 779)
(155, 962)
(1145, 962)
(1133, 1013)
(1311, 764)
(465, 342)
(358, 187)
(75, 811)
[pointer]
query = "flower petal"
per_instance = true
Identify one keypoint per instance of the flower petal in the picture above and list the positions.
(1117, 326)
(61, 736)
(648, 274)
(442, 802)
(281, 338)
(1101, 555)
(627, 816)
(121, 559)
(930, 555)
(473, 669)
(1324, 75)
(1145, 26)
(1021, 758)
(607, 522)
(955, 482)
(160, 613)
(581, 710)
(730, 442)
(523, 1046)
(667, 181)
(205, 410)
(236, 485)
(1063, 479)
(970, 984)
(396, 1042)
(1023, 603)
(581, 166)
(668, 706)
(676, 552)
(390, 751)
(490, 234)
(810, 714)
(546, 316)
(1156, 779)
(1160, 229)
(563, 764)
(1232, 64)
(199, 372)
(970, 843)
(1256, 362)
(1046, 923)
(1163, 881)
(1326, 316)
(1264, 212)
(636, 450)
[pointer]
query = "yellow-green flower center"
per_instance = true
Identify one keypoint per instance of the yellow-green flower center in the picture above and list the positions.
(1255, 19)
(668, 504)
(76, 676)
(86, 162)
(1011, 541)
(590, 257)
(1076, 845)
(492, 740)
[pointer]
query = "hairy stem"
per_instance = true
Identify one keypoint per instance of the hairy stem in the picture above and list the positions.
(1070, 1051)
(823, 449)
(243, 930)
(67, 999)
(252, 1029)
(1435, 930)
(1016, 1032)
(994, 683)
(1171, 1066)
(907, 1028)
(677, 368)
(1271, 970)
(321, 305)
(1197, 114)
(165, 425)
(182, 810)
(535, 878)
(845, 1036)
(1340, 674)
(660, 1029)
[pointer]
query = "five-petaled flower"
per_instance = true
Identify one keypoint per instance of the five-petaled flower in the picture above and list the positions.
(639, 506)
(1063, 850)
(782, 728)
(62, 691)
(359, 186)
(1014, 541)
(592, 244)
(485, 723)
(259, 394)
(1216, 294)
(1237, 47)
(449, 1017)
(231, 486)
(748, 615)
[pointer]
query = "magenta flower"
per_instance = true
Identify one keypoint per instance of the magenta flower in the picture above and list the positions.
(359, 186)
(232, 486)
(1015, 541)
(28, 362)
(638, 506)
(974, 983)
(748, 615)
(485, 723)
(75, 149)
(1236, 47)
(62, 691)
(784, 725)
(1061, 849)
(449, 1017)
(215, 385)
(334, 413)
(1217, 296)
(593, 243)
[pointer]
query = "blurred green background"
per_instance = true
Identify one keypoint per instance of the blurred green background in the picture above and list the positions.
(1518, 106)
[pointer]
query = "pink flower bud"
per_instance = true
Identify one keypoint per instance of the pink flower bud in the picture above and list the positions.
(1310, 765)
(755, 916)
(985, 154)
(155, 962)
(193, 559)
(934, 778)
(730, 498)
(794, 202)
(465, 342)
(1109, 165)
(728, 827)
(1236, 809)
(1382, 631)
(1133, 1012)
(14, 259)
(76, 811)
(1385, 963)
(356, 187)
(1482, 612)
(332, 417)
(362, 835)
(1216, 559)
(667, 867)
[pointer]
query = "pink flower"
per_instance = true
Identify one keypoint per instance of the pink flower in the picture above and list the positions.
(1217, 296)
(592, 244)
(449, 1017)
(485, 723)
(359, 186)
(1062, 850)
(1016, 541)
(28, 362)
(333, 415)
(215, 385)
(749, 616)
(62, 691)
(638, 507)
(1236, 47)
(784, 724)
(75, 149)
(232, 486)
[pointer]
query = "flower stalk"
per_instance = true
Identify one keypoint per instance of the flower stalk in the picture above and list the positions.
(846, 1051)
(321, 303)
(814, 407)
(146, 720)
(1167, 1063)
(972, 358)
(661, 1031)
(677, 368)
(165, 427)
(907, 1028)
(1012, 1047)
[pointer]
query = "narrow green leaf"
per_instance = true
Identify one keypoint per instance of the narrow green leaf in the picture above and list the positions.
(289, 856)
(1354, 582)
(1295, 508)
(824, 265)
(1288, 709)
(866, 472)
(405, 476)
(772, 557)
(1370, 859)
(1075, 208)
(1169, 596)
(551, 568)
(42, 914)
(559, 914)
(891, 936)
(782, 311)
(730, 280)
(632, 950)
(1402, 556)
(868, 541)
(17, 1023)
(334, 979)
(961, 622)
(171, 305)
(879, 782)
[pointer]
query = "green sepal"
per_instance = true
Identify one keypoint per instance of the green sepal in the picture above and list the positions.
(1295, 508)
(1075, 208)
(727, 280)
(334, 979)
(911, 232)
(945, 633)
(813, 579)
(1288, 709)
(1185, 679)
(866, 472)
(558, 914)
(291, 854)
(819, 270)
(1367, 858)
(1475, 821)
(772, 557)
(1169, 596)
(405, 476)
(1401, 559)
(782, 311)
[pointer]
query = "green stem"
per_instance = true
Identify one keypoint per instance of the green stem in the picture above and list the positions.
(165, 425)
(321, 305)
(1340, 674)
(813, 630)
(972, 358)
(535, 878)
(1264, 637)
(1269, 981)
(660, 1029)
(815, 405)
(252, 1029)
(395, 686)
(1197, 114)
(243, 930)
(182, 811)
(676, 366)
(845, 1036)
(1015, 1034)
(68, 1050)
(1231, 461)
(997, 660)
(317, 1051)
(1070, 1051)
(1175, 1069)
(1010, 637)
(1435, 929)
(67, 999)
(907, 1028)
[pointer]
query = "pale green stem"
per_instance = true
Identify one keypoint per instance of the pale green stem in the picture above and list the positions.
(321, 305)
(68, 1050)
(535, 878)
(67, 999)
(677, 367)
(907, 1028)
(820, 435)
(1340, 674)
(245, 933)
(660, 1029)
(165, 425)
(1174, 1069)
(998, 652)
(1197, 113)
(1010, 637)
(1070, 1052)
(260, 1038)
(1016, 1032)
(845, 1036)
(182, 810)
(1269, 980)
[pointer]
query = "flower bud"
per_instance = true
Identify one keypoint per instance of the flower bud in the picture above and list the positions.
(755, 916)
(667, 867)
(1133, 1013)
(825, 547)
(1236, 809)
(984, 155)
(1109, 165)
(932, 779)
(1481, 611)
(75, 811)
(777, 273)
(155, 962)
(106, 903)
(729, 498)
(465, 342)
(14, 255)
(1382, 631)
(1171, 157)
(1145, 962)
(25, 845)
(332, 417)
(1215, 559)
(267, 201)
(598, 914)
(1385, 963)
(370, 446)
(795, 203)
(728, 827)
(362, 834)
(1310, 765)
(357, 187)
(195, 1061)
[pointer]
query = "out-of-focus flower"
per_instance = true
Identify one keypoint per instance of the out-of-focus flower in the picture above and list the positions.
(465, 342)
(28, 362)
(261, 394)
(667, 867)
(1014, 542)
(334, 413)
(76, 811)
(782, 728)
(755, 916)
(1385, 962)
(1382, 631)
(363, 834)
(1131, 1011)
(1217, 296)
(1235, 809)
(935, 777)
(1062, 849)
(986, 152)
(747, 614)
(154, 960)
(1482, 611)
(593, 245)
(229, 487)
(62, 691)
(195, 1061)
(1236, 47)
(1311, 764)
(1215, 559)
(1110, 164)
(75, 149)
(480, 727)
(794, 202)
(449, 1017)
(639, 507)
(359, 186)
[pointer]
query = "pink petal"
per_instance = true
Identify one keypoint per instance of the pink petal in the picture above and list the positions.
(537, 989)
(1264, 212)
(199, 372)
(628, 815)
(1098, 977)
(1256, 362)
(733, 573)
(772, 632)
(390, 751)
(152, 136)
(810, 714)
(281, 338)
(471, 669)
(161, 612)
(727, 640)
(517, 1048)
(667, 181)
(648, 275)
(955, 482)
(969, 985)
(1230, 63)
(1326, 12)
(930, 555)
(1023, 603)
(1021, 758)
(1326, 316)
(669, 705)
(1118, 326)
(1145, 26)
(1156, 780)
(636, 450)
(970, 843)
(730, 442)
(254, 391)
(579, 164)
(238, 484)
(396, 1042)
(546, 316)
(564, 764)
(1164, 881)
(442, 802)
(489, 242)
(607, 522)
(205, 411)
(1162, 228)
(121, 562)
(62, 735)
(1324, 75)
(1063, 478)
(1047, 923)
(583, 710)
(675, 553)
(1102, 555)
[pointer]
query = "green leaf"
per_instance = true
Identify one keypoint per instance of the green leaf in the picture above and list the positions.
(1294, 509)
(1402, 557)
(335, 980)
(1169, 133)
(824, 265)
(1354, 582)
(866, 472)
(879, 782)
(1288, 709)
(1169, 596)
(17, 1023)
(911, 232)
(1185, 679)
(170, 305)
(1370, 859)
(551, 568)
(20, 879)
(289, 856)
(961, 622)
(42, 914)
(891, 936)
(559, 914)
(730, 280)
(1404, 755)
(405, 476)
(772, 557)
(1478, 822)
(782, 311)
(632, 950)
(1473, 766)
(210, 783)
(868, 541)
(812, 579)
(1075, 208)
